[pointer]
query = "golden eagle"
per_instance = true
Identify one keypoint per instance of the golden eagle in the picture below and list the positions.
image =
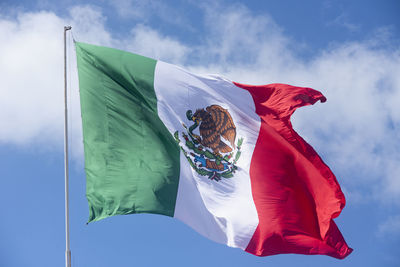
(215, 122)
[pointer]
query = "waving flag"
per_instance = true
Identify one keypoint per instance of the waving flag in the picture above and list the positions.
(220, 156)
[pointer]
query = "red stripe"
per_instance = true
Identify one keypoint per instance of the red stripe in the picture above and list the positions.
(295, 193)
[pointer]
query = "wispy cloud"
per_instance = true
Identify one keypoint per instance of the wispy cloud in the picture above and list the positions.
(143, 38)
(343, 21)
(390, 227)
(147, 10)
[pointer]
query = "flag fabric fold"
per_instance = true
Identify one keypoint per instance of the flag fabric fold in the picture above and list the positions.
(220, 156)
(302, 195)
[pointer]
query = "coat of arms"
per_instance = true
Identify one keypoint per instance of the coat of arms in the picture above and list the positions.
(213, 151)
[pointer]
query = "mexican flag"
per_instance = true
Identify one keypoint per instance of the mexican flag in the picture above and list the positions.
(220, 156)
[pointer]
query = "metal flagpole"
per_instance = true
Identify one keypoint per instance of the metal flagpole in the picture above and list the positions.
(67, 249)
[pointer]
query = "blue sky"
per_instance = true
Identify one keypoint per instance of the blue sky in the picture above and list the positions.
(349, 50)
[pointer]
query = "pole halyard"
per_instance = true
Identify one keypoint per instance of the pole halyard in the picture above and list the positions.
(67, 246)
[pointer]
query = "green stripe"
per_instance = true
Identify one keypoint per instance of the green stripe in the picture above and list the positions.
(131, 159)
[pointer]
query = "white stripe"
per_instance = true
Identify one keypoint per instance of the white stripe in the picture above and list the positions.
(223, 211)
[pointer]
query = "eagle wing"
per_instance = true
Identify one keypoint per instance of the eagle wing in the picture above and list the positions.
(224, 123)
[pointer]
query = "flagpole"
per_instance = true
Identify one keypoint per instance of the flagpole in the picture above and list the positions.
(67, 248)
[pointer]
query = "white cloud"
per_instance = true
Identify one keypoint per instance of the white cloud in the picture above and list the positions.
(357, 130)
(143, 40)
(31, 72)
(238, 40)
(88, 23)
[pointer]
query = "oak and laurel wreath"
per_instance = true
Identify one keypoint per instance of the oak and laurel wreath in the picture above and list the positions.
(199, 150)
